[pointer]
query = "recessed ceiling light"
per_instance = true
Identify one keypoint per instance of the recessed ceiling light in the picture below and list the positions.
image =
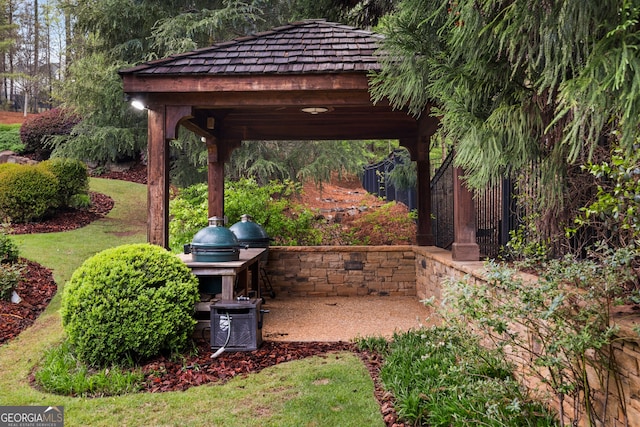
(315, 110)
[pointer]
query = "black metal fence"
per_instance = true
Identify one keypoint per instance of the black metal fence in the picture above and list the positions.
(376, 181)
(497, 212)
(442, 204)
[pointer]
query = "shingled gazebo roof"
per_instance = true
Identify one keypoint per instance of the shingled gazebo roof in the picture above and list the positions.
(261, 83)
(305, 81)
(311, 46)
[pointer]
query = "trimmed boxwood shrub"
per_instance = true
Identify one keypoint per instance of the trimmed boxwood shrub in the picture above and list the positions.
(73, 177)
(35, 130)
(129, 303)
(27, 192)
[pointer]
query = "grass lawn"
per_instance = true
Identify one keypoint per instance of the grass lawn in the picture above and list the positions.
(332, 391)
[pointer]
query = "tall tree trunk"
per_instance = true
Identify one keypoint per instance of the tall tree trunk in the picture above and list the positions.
(36, 56)
(11, 93)
(68, 34)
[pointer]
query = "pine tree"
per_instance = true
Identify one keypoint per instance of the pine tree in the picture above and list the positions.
(519, 82)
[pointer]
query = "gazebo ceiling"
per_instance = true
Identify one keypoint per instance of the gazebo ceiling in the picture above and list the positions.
(254, 88)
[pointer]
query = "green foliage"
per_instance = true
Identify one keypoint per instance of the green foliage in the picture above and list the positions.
(129, 303)
(526, 245)
(62, 373)
(615, 214)
(10, 270)
(404, 174)
(110, 130)
(189, 212)
(297, 160)
(189, 160)
(37, 130)
(273, 207)
(270, 206)
(10, 138)
(80, 201)
(561, 322)
(9, 251)
(379, 345)
(10, 275)
(442, 376)
(72, 175)
(201, 27)
(27, 192)
(511, 85)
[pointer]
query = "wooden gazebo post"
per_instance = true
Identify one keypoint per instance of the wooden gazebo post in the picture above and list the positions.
(163, 122)
(157, 178)
(215, 179)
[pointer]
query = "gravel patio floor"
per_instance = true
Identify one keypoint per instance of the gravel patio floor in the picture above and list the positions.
(342, 318)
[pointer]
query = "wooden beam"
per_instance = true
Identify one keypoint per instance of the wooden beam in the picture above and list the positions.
(175, 114)
(157, 178)
(274, 99)
(133, 83)
(320, 130)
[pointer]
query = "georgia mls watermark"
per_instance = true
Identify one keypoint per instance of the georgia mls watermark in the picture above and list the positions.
(31, 416)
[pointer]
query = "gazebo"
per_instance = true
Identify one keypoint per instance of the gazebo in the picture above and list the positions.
(303, 81)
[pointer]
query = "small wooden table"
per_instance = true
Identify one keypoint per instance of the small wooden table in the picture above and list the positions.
(230, 270)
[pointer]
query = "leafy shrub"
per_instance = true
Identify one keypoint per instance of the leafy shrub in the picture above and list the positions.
(10, 275)
(73, 177)
(10, 138)
(27, 192)
(561, 323)
(270, 206)
(273, 207)
(35, 131)
(615, 213)
(189, 212)
(129, 303)
(391, 224)
(8, 249)
(442, 376)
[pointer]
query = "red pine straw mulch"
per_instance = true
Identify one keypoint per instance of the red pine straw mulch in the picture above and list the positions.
(70, 219)
(36, 290)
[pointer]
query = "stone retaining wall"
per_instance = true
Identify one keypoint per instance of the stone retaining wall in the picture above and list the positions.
(325, 271)
(353, 271)
(433, 265)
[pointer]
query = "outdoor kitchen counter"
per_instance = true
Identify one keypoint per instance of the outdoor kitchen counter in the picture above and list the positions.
(249, 261)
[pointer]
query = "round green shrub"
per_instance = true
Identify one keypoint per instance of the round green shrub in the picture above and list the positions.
(73, 177)
(27, 192)
(129, 303)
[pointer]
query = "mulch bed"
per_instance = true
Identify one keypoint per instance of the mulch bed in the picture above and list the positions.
(36, 290)
(163, 374)
(66, 220)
